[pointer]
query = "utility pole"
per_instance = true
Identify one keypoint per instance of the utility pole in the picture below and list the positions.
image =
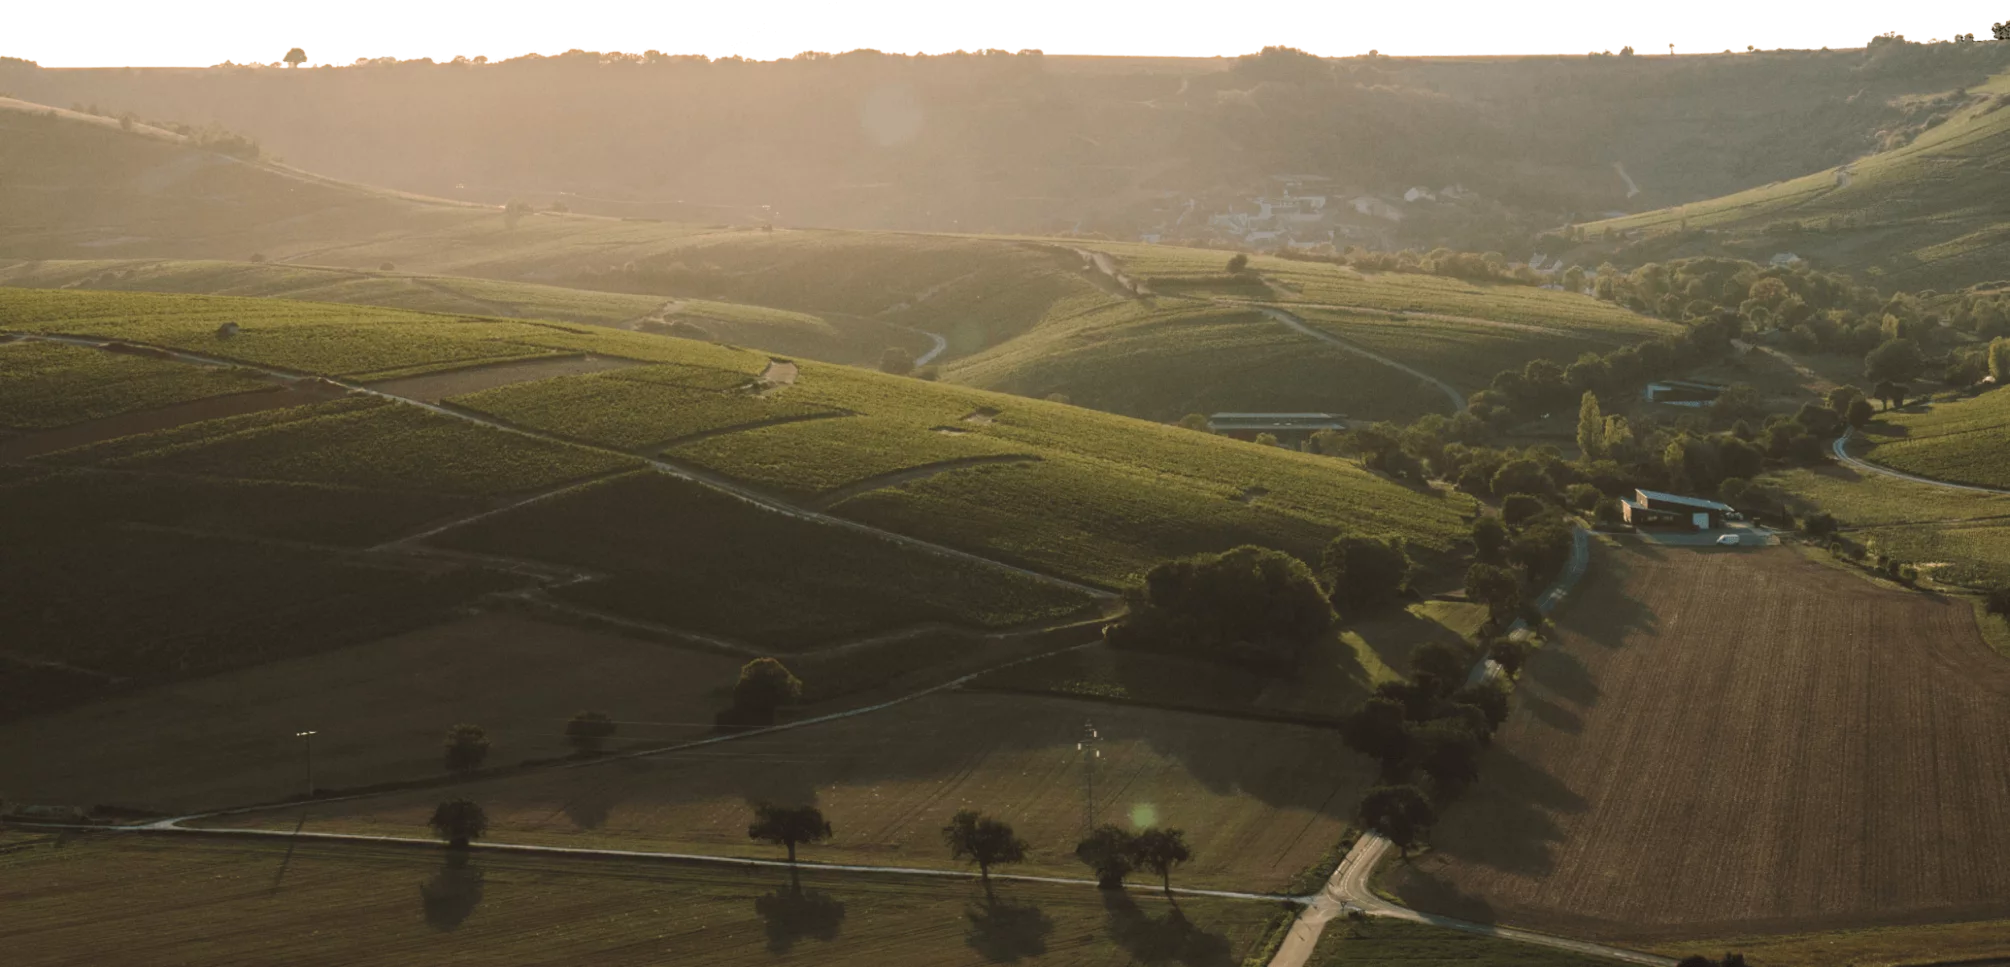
(308, 738)
(1089, 748)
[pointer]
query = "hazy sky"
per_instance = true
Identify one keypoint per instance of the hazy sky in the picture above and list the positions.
(1938, 35)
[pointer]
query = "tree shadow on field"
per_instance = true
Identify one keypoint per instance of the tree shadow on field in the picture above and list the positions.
(1428, 889)
(452, 893)
(792, 915)
(1562, 675)
(1002, 931)
(1394, 634)
(1166, 939)
(590, 809)
(1551, 714)
(1508, 823)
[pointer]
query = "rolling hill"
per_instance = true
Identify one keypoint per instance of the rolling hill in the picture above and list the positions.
(1929, 214)
(320, 457)
(1965, 441)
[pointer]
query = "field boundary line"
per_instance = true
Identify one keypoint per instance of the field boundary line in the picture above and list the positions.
(1841, 448)
(895, 478)
(1290, 319)
(1348, 889)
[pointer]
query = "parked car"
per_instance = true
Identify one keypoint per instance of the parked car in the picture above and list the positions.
(1731, 539)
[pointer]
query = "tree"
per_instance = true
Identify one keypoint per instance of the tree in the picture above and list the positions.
(1999, 360)
(1895, 361)
(2000, 31)
(1109, 853)
(1490, 697)
(896, 360)
(1739, 401)
(985, 841)
(1860, 412)
(1509, 654)
(1439, 668)
(1497, 588)
(588, 730)
(1998, 601)
(459, 820)
(1448, 752)
(1365, 573)
(1237, 263)
(1400, 813)
(1590, 427)
(1542, 549)
(295, 58)
(1376, 731)
(1519, 509)
(1250, 605)
(788, 826)
(1522, 476)
(1159, 850)
(1490, 539)
(467, 746)
(1194, 421)
(765, 686)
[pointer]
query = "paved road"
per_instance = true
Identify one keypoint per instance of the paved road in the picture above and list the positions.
(1348, 888)
(1843, 454)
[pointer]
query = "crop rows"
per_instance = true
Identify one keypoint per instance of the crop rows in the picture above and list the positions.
(631, 413)
(684, 556)
(1966, 441)
(47, 385)
(354, 442)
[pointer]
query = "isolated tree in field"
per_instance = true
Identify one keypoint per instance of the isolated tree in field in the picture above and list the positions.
(1376, 730)
(467, 745)
(1108, 851)
(1895, 361)
(459, 820)
(896, 360)
(1573, 279)
(789, 826)
(1590, 427)
(1400, 813)
(1364, 573)
(765, 686)
(982, 840)
(1159, 850)
(1251, 605)
(1237, 262)
(295, 57)
(588, 730)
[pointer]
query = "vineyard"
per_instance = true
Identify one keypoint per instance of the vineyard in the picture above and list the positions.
(1966, 441)
(45, 385)
(681, 555)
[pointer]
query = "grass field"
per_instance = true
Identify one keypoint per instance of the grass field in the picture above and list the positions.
(1400, 942)
(379, 707)
(1927, 214)
(1258, 801)
(1965, 442)
(1973, 942)
(677, 554)
(45, 385)
(189, 899)
(1659, 778)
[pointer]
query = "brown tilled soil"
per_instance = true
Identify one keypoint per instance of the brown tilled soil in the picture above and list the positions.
(167, 417)
(1728, 742)
(434, 387)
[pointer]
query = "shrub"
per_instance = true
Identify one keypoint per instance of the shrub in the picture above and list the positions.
(1237, 263)
(1820, 524)
(588, 730)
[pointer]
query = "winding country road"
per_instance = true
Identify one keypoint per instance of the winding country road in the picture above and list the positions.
(1857, 463)
(1348, 888)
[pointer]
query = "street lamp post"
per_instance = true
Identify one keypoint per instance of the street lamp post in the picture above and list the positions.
(308, 738)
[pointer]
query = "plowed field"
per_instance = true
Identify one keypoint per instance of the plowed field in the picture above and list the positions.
(1734, 742)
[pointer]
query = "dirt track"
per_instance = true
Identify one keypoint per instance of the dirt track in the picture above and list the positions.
(1734, 742)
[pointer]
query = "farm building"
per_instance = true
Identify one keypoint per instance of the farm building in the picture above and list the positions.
(1284, 426)
(1682, 392)
(1652, 508)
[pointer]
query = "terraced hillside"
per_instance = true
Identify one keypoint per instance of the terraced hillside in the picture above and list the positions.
(1929, 214)
(183, 440)
(1966, 441)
